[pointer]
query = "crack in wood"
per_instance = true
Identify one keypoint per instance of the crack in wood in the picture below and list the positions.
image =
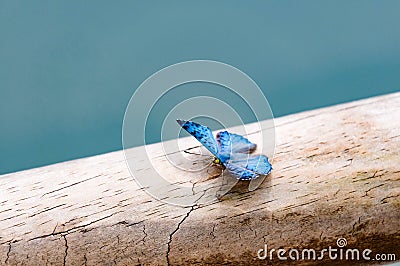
(66, 232)
(73, 184)
(8, 252)
(173, 232)
(66, 249)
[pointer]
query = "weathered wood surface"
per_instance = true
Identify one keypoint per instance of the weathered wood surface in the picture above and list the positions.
(336, 174)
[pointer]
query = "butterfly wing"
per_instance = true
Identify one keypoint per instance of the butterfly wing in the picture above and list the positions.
(202, 133)
(240, 172)
(230, 143)
(248, 168)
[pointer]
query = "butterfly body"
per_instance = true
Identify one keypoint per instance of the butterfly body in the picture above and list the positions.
(232, 151)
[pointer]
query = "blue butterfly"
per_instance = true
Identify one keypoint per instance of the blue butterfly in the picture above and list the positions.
(231, 151)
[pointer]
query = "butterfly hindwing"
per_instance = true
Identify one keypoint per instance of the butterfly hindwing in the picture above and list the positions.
(240, 172)
(202, 133)
(230, 143)
(248, 168)
(259, 164)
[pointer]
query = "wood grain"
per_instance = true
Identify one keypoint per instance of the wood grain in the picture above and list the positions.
(336, 174)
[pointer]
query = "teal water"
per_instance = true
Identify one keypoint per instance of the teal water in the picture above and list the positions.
(68, 68)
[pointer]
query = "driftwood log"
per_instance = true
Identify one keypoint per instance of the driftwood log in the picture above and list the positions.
(336, 175)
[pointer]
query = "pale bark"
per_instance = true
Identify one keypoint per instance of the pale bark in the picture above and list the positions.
(336, 174)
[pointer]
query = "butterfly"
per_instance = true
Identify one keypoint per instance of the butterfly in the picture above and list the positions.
(232, 152)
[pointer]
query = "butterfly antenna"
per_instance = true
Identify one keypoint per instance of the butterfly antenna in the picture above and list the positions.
(188, 152)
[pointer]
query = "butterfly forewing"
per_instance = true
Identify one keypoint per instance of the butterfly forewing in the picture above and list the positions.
(202, 133)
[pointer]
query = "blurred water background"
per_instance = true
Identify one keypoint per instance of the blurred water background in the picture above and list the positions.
(69, 68)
